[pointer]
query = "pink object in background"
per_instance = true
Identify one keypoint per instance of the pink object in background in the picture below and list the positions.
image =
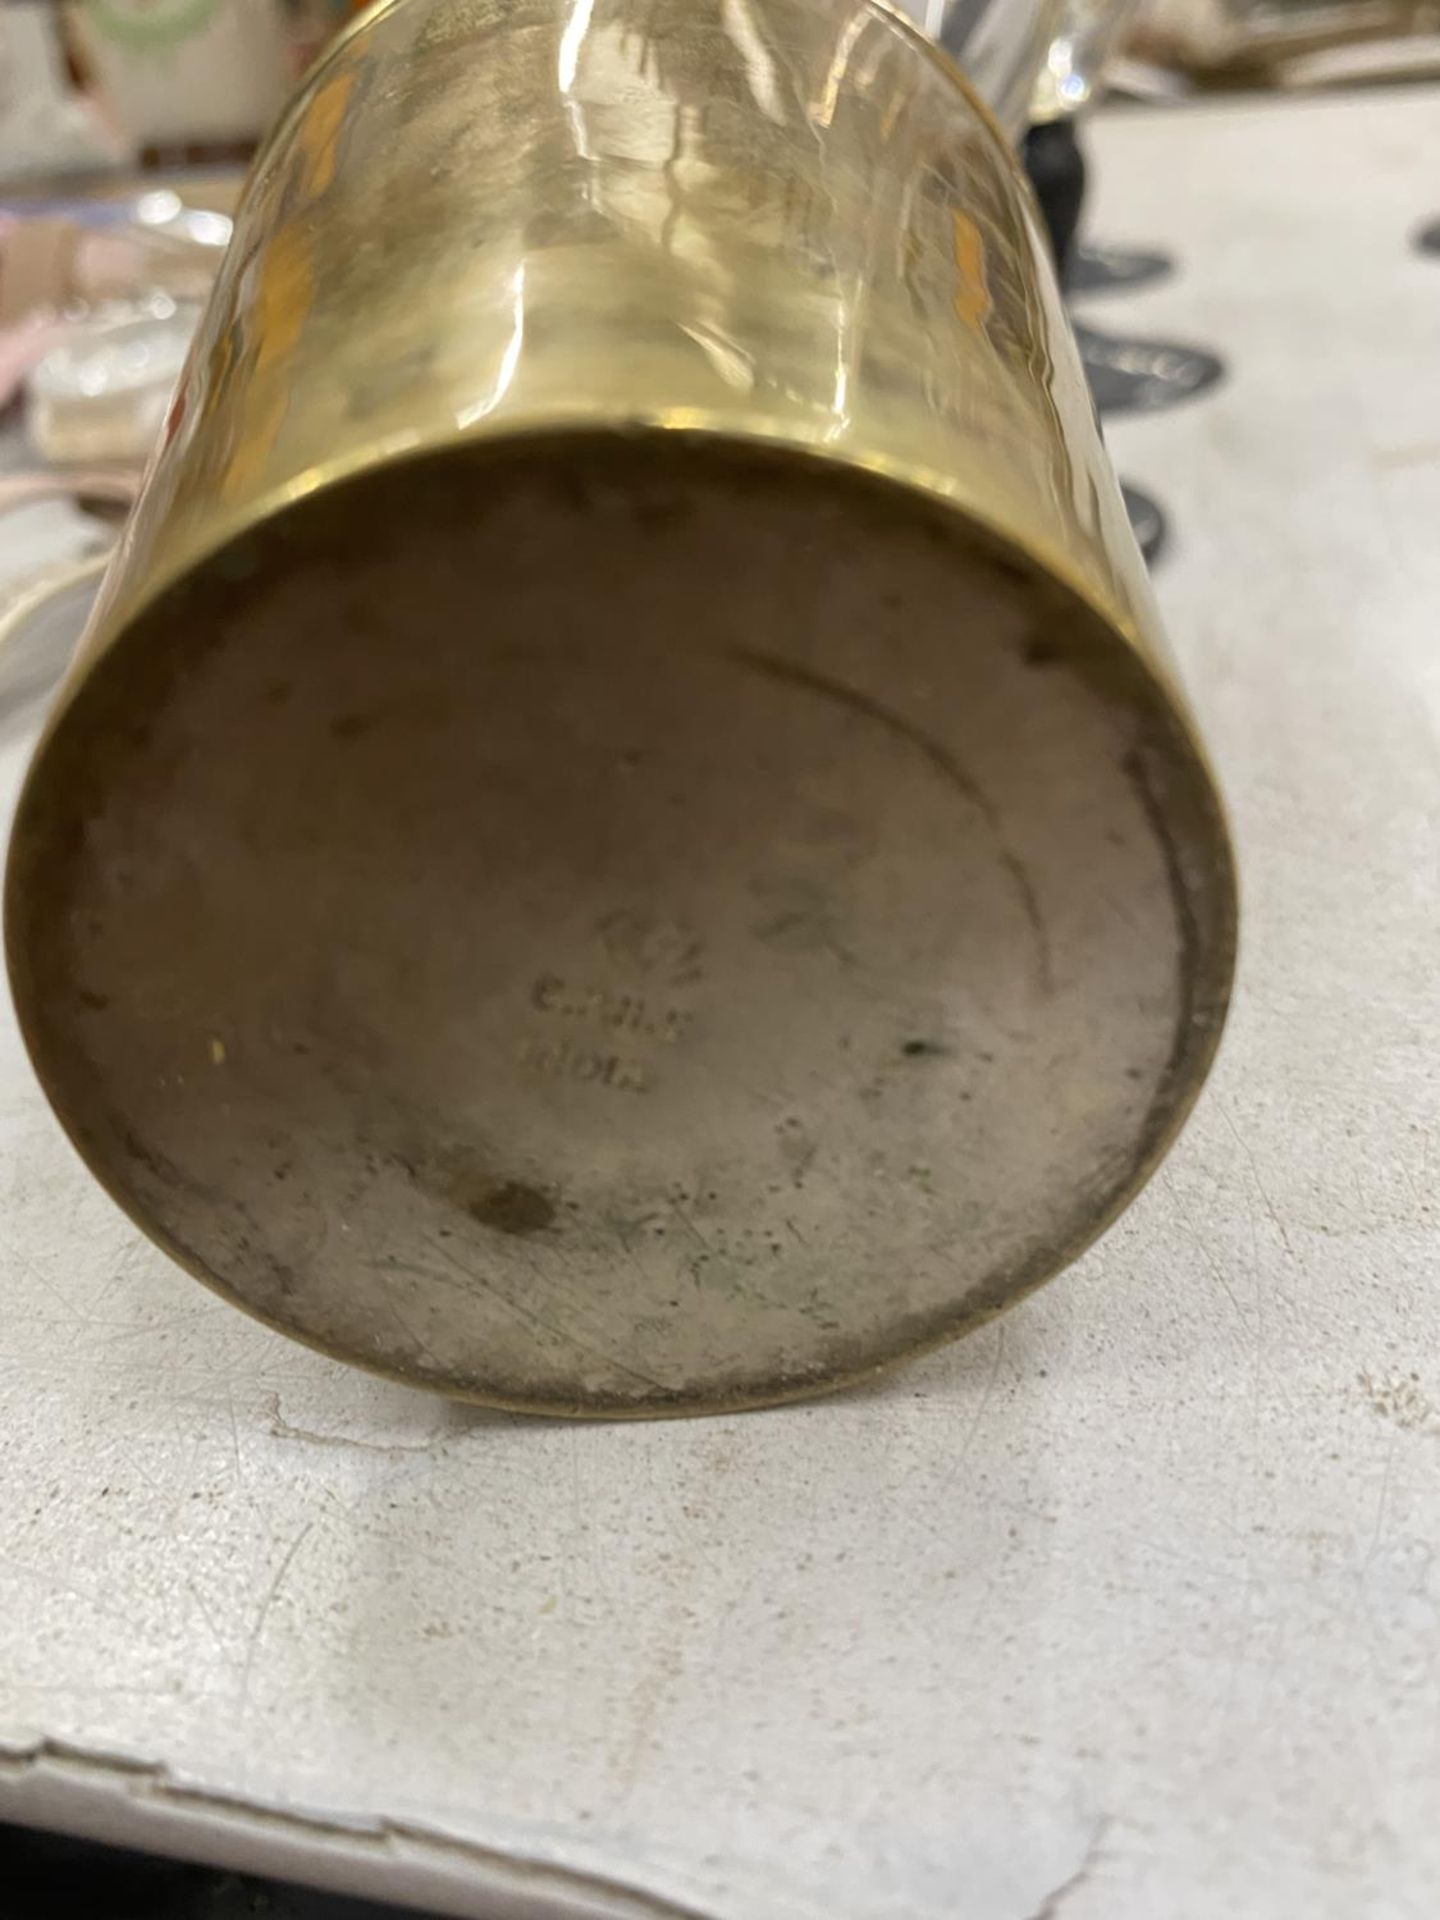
(23, 346)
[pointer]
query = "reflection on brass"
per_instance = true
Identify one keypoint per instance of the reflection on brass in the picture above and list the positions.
(623, 840)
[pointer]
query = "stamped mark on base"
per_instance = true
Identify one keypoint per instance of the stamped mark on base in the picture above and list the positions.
(608, 1035)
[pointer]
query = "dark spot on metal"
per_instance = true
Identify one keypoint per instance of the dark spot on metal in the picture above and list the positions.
(97, 1002)
(513, 1207)
(660, 512)
(352, 726)
(1041, 653)
(571, 489)
(922, 1049)
(144, 1156)
(238, 562)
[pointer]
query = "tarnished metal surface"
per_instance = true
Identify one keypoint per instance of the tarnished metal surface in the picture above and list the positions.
(1124, 1608)
(622, 842)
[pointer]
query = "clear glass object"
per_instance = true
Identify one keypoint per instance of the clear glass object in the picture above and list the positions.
(1001, 45)
(1127, 375)
(102, 393)
(1038, 61)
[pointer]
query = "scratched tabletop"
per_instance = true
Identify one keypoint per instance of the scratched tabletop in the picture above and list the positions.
(1126, 1609)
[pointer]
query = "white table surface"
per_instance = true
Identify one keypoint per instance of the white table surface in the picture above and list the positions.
(1128, 1608)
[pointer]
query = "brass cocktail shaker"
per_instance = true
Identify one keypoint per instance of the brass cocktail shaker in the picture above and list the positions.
(623, 839)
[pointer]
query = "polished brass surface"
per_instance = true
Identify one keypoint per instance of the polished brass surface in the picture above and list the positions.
(622, 840)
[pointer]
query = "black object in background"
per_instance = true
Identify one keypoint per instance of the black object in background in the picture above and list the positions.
(48, 1876)
(1099, 269)
(1147, 522)
(1125, 376)
(1055, 162)
(1056, 167)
